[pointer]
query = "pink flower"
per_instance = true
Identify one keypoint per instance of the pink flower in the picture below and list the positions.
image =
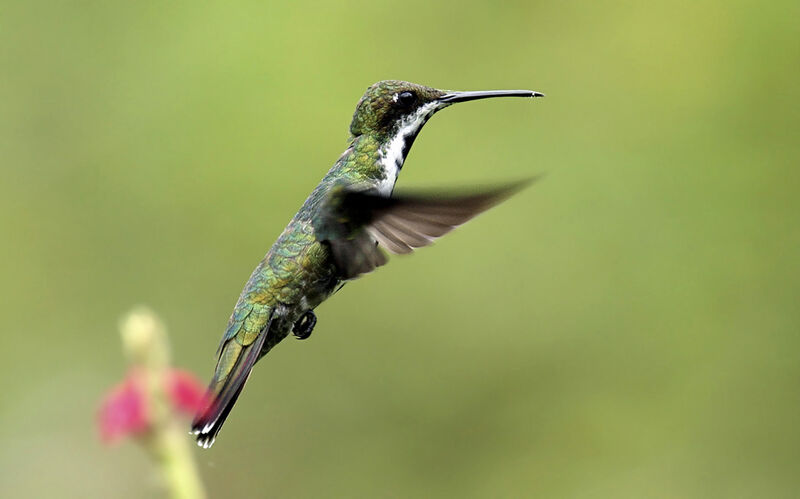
(125, 410)
(185, 391)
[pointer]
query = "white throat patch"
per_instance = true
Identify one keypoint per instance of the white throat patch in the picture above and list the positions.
(391, 155)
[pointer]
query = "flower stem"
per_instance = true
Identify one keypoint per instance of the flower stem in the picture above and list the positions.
(145, 341)
(170, 451)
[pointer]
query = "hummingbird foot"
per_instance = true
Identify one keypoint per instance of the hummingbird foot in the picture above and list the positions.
(304, 325)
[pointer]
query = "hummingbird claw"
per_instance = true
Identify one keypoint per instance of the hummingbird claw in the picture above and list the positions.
(305, 325)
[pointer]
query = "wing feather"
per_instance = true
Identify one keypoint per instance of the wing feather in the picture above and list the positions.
(388, 239)
(354, 220)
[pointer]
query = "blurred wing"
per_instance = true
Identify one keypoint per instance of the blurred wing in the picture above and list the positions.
(352, 221)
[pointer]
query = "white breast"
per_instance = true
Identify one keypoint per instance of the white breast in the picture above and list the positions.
(391, 155)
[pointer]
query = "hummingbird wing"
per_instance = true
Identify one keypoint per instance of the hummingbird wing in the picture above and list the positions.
(353, 220)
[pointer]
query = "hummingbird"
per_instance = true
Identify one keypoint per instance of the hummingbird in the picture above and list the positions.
(341, 233)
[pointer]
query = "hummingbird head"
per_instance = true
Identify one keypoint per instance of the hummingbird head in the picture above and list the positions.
(395, 111)
(388, 105)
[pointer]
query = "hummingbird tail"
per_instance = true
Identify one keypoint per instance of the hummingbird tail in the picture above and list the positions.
(225, 388)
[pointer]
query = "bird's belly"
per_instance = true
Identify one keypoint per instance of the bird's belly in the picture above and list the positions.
(305, 278)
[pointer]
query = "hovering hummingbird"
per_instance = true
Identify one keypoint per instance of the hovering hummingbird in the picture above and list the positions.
(339, 234)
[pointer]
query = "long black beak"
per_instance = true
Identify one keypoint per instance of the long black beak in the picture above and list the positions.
(454, 97)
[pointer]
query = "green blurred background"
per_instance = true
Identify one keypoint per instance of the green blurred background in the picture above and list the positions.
(627, 327)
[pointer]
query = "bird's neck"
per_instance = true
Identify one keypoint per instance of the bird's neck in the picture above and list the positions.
(373, 161)
(383, 155)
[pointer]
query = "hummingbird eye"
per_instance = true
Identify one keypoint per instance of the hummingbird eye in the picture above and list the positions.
(405, 99)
